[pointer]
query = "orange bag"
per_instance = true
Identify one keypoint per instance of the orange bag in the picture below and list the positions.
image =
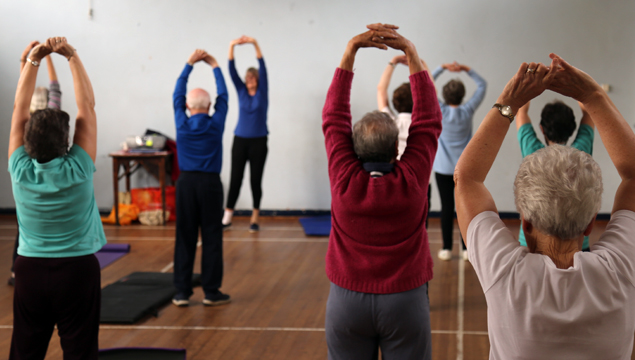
(127, 214)
(148, 199)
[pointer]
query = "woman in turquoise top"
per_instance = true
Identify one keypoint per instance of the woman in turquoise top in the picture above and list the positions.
(250, 136)
(57, 276)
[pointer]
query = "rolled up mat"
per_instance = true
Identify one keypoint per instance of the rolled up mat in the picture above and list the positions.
(109, 253)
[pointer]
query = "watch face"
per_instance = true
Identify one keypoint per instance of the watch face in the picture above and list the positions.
(506, 110)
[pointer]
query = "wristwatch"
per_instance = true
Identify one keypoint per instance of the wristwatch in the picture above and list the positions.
(505, 110)
(33, 62)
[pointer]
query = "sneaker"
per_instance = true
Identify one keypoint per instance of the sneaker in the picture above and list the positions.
(465, 255)
(227, 226)
(216, 298)
(254, 228)
(181, 299)
(445, 254)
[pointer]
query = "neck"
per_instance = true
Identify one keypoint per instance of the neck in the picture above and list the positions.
(252, 91)
(198, 111)
(549, 142)
(558, 250)
(454, 106)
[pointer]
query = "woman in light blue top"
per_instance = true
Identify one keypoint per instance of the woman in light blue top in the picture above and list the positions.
(57, 276)
(457, 132)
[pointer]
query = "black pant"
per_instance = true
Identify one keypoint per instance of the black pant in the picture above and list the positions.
(62, 291)
(253, 150)
(199, 203)
(446, 192)
(15, 249)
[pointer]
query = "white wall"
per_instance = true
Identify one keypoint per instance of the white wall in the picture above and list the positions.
(135, 49)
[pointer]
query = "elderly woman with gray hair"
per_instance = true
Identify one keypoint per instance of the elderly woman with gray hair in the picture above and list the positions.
(57, 276)
(550, 300)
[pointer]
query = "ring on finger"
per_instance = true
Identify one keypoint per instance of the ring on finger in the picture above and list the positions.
(531, 70)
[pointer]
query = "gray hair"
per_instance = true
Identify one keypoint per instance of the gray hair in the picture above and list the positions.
(198, 99)
(39, 100)
(559, 190)
(374, 137)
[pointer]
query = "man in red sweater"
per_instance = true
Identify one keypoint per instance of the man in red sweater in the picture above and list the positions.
(378, 259)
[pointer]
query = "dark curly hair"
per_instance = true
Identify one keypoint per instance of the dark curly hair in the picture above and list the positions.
(557, 121)
(46, 135)
(453, 92)
(402, 98)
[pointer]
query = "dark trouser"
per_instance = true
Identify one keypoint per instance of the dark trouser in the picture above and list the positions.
(253, 150)
(446, 192)
(358, 324)
(199, 203)
(428, 213)
(62, 291)
(15, 249)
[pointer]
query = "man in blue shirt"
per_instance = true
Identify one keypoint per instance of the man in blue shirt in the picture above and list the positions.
(199, 191)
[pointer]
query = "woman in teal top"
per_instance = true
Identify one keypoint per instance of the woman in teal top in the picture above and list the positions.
(57, 276)
(557, 124)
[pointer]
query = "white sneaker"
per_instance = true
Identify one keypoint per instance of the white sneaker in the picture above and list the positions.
(465, 255)
(445, 254)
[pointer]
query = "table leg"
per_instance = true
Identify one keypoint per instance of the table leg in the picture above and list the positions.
(115, 182)
(162, 184)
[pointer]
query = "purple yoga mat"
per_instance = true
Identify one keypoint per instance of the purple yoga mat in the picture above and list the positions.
(111, 252)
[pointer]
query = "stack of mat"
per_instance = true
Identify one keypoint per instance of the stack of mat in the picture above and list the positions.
(137, 295)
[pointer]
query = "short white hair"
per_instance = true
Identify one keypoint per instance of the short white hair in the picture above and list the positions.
(558, 189)
(198, 99)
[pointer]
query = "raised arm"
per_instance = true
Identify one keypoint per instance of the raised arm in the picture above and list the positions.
(86, 122)
(472, 197)
(51, 68)
(481, 88)
(522, 117)
(23, 94)
(55, 93)
(586, 118)
(384, 81)
(222, 97)
(238, 83)
(180, 90)
(26, 52)
(617, 136)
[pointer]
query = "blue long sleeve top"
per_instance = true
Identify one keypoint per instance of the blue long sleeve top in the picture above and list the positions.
(252, 110)
(457, 126)
(199, 138)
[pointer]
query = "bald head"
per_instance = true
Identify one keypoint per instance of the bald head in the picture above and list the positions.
(198, 100)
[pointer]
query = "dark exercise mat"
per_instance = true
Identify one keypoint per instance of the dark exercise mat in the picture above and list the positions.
(137, 295)
(317, 225)
(141, 354)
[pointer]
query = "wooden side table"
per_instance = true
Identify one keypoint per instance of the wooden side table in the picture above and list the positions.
(131, 162)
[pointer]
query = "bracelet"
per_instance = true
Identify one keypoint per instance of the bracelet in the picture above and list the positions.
(391, 64)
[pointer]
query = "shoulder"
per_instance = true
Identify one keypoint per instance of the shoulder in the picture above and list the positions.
(19, 159)
(79, 159)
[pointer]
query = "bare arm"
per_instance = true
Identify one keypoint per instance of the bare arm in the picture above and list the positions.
(51, 68)
(522, 117)
(586, 118)
(25, 53)
(86, 122)
(616, 134)
(23, 94)
(384, 81)
(472, 197)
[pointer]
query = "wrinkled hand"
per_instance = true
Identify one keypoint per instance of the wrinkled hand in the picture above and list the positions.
(400, 59)
(366, 40)
(39, 52)
(196, 56)
(570, 81)
(525, 86)
(453, 67)
(28, 49)
(61, 46)
(387, 34)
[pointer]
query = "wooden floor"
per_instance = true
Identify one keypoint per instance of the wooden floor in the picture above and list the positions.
(279, 289)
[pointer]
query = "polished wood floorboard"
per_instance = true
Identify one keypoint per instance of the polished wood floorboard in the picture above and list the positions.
(279, 289)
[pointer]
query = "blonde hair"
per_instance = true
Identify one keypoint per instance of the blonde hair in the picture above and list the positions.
(559, 190)
(40, 99)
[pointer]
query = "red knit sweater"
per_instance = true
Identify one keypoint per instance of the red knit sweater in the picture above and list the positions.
(378, 241)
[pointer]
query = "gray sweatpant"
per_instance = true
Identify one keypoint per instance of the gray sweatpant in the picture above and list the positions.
(358, 324)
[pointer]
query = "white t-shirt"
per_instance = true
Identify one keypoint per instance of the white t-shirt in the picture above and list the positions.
(537, 311)
(403, 121)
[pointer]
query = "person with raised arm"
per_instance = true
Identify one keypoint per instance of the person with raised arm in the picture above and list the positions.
(57, 274)
(378, 259)
(550, 300)
(42, 98)
(199, 191)
(456, 134)
(250, 136)
(557, 124)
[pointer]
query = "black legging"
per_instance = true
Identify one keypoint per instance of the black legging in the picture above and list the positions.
(446, 192)
(253, 150)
